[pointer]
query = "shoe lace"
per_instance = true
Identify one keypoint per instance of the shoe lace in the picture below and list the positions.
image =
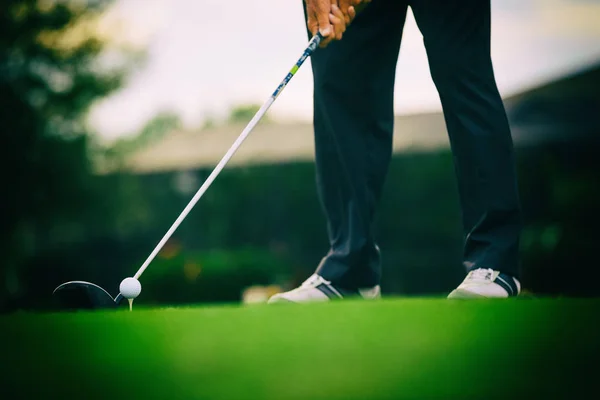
(481, 274)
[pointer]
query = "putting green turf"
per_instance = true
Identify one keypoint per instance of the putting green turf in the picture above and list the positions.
(394, 348)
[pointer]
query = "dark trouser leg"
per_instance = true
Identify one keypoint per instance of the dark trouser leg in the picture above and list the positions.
(353, 121)
(457, 39)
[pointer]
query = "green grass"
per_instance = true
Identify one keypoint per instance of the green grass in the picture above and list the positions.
(392, 349)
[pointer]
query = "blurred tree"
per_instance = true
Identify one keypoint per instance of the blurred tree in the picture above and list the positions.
(113, 157)
(210, 122)
(50, 74)
(244, 113)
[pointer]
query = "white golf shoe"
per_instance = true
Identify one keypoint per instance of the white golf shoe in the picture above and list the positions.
(486, 283)
(317, 289)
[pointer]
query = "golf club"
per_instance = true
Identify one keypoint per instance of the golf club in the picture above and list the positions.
(86, 295)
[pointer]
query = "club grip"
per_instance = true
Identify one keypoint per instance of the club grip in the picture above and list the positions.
(318, 38)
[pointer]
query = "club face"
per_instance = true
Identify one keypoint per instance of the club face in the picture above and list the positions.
(80, 295)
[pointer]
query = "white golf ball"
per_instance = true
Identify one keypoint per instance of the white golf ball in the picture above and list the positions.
(130, 288)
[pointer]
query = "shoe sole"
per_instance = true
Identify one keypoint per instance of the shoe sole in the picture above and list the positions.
(279, 300)
(465, 294)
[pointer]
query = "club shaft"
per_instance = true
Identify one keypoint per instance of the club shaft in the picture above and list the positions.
(205, 185)
(312, 46)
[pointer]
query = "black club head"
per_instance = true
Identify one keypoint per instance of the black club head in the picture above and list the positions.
(80, 295)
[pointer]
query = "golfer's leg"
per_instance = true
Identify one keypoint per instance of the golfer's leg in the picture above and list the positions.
(457, 39)
(353, 121)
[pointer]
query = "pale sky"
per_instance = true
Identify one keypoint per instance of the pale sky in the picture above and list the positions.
(206, 56)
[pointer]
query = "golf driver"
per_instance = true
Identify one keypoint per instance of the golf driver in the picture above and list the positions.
(85, 295)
